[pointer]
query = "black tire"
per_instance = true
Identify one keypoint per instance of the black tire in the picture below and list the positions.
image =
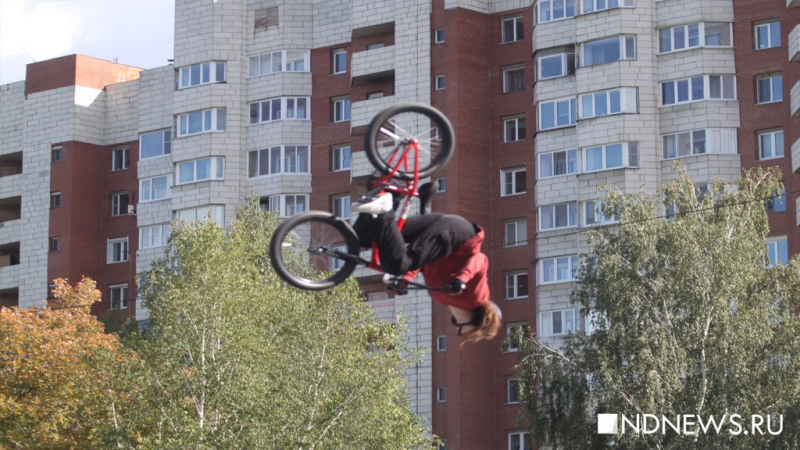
(377, 144)
(300, 275)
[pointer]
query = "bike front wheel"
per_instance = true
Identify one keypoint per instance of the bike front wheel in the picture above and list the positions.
(314, 250)
(394, 128)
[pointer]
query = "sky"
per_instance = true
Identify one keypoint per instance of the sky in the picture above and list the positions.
(137, 33)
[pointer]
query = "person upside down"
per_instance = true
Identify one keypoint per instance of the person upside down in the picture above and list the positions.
(445, 248)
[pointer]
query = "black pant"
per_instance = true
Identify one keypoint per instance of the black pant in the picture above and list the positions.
(429, 237)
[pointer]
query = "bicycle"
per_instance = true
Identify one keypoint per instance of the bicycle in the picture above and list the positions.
(317, 250)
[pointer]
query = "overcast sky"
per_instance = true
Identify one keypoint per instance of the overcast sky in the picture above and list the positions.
(138, 33)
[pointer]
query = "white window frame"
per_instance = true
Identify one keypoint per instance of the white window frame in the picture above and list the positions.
(213, 120)
(512, 391)
(54, 244)
(623, 49)
(123, 250)
(116, 154)
(283, 161)
(772, 135)
(552, 163)
(706, 80)
(55, 199)
(628, 103)
(565, 7)
(438, 36)
(283, 114)
(721, 141)
(572, 117)
(116, 203)
(517, 129)
(520, 227)
(208, 73)
(509, 328)
(200, 213)
(166, 143)
(341, 109)
(344, 205)
(524, 439)
(441, 343)
(773, 250)
(773, 79)
(547, 322)
(771, 205)
(146, 189)
(441, 395)
(628, 149)
(334, 263)
(596, 206)
(336, 66)
(506, 72)
(702, 37)
(441, 185)
(153, 236)
(122, 290)
(280, 204)
(439, 84)
(605, 5)
(518, 21)
(56, 153)
(257, 60)
(338, 161)
(512, 280)
(770, 44)
(513, 172)
(564, 69)
(570, 260)
(216, 170)
(571, 211)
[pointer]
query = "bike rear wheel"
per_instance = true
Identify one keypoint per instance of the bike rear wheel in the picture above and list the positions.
(397, 126)
(314, 250)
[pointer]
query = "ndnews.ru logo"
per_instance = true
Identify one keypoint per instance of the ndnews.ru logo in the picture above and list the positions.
(690, 424)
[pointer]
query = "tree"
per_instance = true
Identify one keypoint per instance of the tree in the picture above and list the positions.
(60, 383)
(688, 319)
(236, 358)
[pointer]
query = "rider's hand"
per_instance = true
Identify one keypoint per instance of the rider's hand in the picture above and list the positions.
(455, 287)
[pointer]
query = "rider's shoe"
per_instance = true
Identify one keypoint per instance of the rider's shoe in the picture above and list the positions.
(377, 204)
(426, 192)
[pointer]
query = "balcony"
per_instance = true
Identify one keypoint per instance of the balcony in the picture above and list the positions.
(10, 164)
(361, 113)
(792, 3)
(10, 209)
(373, 65)
(796, 156)
(9, 297)
(9, 255)
(796, 99)
(794, 44)
(371, 17)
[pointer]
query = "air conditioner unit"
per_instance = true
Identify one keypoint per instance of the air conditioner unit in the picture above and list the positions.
(132, 210)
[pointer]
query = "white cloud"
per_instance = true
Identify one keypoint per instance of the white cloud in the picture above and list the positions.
(38, 30)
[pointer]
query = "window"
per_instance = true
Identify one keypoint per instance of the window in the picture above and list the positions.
(593, 214)
(203, 213)
(708, 87)
(119, 203)
(438, 36)
(520, 329)
(605, 103)
(557, 114)
(552, 66)
(558, 163)
(441, 343)
(55, 244)
(200, 170)
(120, 159)
(777, 203)
(695, 35)
(339, 61)
(117, 250)
(283, 108)
(770, 145)
(768, 35)
(512, 391)
(611, 156)
(118, 296)
(697, 142)
(557, 323)
(588, 6)
(512, 181)
(152, 189)
(550, 10)
(56, 154)
(153, 236)
(341, 158)
(375, 46)
(341, 206)
(769, 89)
(564, 215)
(439, 82)
(778, 251)
(558, 270)
(341, 109)
(334, 263)
(155, 144)
(286, 205)
(280, 61)
(441, 185)
(514, 79)
(279, 159)
(514, 129)
(513, 29)
(617, 48)
(516, 285)
(441, 395)
(520, 440)
(201, 122)
(204, 73)
(516, 233)
(55, 199)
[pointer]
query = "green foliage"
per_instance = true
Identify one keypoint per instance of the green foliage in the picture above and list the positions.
(236, 358)
(688, 321)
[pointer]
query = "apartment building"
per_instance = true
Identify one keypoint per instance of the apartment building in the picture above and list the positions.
(550, 100)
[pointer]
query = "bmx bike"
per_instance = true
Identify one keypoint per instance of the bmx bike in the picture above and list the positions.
(317, 250)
